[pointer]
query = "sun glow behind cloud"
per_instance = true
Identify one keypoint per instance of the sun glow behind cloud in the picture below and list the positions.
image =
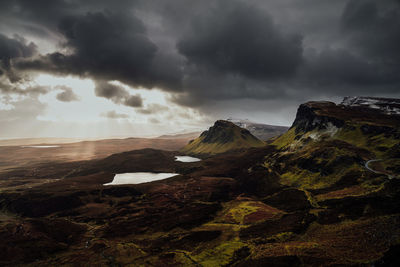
(86, 116)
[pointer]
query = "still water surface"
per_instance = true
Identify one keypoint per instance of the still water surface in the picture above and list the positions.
(186, 159)
(139, 177)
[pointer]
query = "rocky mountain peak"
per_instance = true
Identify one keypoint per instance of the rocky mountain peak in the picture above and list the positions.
(221, 137)
(223, 132)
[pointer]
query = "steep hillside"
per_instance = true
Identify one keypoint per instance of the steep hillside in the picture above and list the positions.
(327, 142)
(222, 137)
(260, 130)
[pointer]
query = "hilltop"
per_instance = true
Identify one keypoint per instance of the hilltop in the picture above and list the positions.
(223, 136)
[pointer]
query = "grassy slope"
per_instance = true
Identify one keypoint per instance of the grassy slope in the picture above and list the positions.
(348, 143)
(198, 146)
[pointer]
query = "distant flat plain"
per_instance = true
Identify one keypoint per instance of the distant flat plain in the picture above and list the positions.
(15, 153)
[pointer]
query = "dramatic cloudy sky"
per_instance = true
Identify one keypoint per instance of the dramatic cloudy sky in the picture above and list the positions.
(143, 67)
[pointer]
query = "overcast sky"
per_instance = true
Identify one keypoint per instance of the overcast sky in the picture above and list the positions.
(90, 68)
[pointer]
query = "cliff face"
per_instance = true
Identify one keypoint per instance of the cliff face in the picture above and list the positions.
(308, 118)
(369, 112)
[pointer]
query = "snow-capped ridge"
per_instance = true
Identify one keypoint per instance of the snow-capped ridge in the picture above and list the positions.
(388, 106)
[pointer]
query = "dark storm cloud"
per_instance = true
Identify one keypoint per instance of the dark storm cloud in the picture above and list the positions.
(369, 62)
(218, 51)
(134, 101)
(374, 28)
(110, 91)
(67, 94)
(108, 46)
(12, 48)
(39, 10)
(49, 12)
(117, 94)
(236, 37)
(333, 67)
(15, 47)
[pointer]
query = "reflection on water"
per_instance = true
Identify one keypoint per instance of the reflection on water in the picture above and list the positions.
(186, 159)
(139, 177)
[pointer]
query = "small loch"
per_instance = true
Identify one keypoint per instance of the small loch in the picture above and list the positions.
(139, 177)
(186, 159)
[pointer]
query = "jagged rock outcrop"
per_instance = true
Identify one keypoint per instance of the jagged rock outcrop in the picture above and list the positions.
(308, 117)
(377, 114)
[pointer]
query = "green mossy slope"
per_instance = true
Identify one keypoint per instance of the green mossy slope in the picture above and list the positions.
(222, 137)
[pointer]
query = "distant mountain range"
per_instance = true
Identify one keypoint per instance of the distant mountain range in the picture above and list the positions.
(260, 130)
(179, 135)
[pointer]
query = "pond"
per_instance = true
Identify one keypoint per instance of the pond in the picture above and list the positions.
(186, 159)
(139, 177)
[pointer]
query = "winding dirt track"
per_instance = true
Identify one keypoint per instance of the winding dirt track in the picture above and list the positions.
(366, 165)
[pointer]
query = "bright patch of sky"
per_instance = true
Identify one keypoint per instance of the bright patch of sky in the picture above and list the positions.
(157, 116)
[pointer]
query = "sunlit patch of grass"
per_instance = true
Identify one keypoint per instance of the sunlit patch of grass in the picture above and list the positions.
(285, 139)
(317, 164)
(182, 258)
(352, 136)
(125, 253)
(313, 201)
(239, 212)
(378, 144)
(281, 237)
(220, 255)
(353, 191)
(305, 179)
(247, 212)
